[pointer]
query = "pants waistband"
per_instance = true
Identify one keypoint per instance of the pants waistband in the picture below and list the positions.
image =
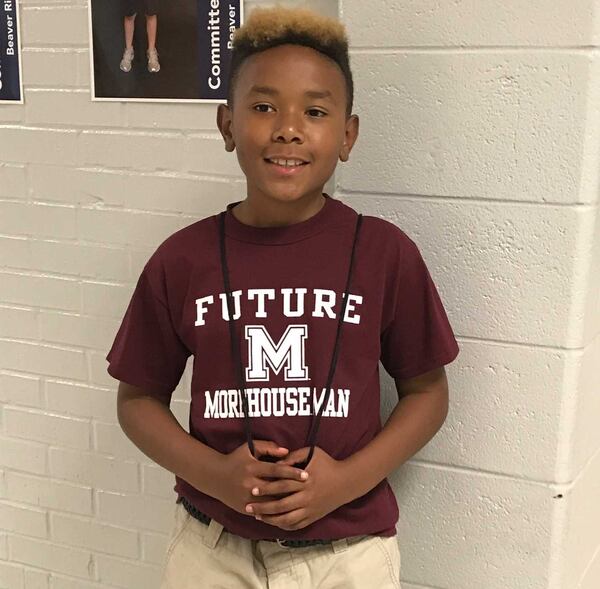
(205, 519)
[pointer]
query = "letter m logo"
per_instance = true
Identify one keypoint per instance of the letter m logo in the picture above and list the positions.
(288, 352)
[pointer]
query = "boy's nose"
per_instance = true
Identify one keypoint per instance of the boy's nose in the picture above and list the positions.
(288, 128)
(288, 135)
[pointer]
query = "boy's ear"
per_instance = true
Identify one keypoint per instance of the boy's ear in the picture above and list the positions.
(224, 125)
(350, 137)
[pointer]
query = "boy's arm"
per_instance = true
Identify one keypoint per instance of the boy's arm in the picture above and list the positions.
(419, 414)
(152, 427)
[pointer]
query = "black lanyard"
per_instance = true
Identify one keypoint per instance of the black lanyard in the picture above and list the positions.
(236, 351)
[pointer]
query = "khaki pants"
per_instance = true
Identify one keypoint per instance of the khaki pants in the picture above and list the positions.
(201, 556)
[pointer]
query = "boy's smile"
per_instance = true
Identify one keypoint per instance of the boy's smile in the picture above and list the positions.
(288, 125)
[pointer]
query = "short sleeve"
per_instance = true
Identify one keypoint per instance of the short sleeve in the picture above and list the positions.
(147, 351)
(419, 337)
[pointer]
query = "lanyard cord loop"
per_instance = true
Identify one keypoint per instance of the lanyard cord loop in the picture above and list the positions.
(236, 349)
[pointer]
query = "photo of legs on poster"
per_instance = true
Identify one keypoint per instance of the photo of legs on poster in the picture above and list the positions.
(149, 8)
(157, 50)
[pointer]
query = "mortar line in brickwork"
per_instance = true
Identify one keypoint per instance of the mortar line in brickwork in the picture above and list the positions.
(453, 49)
(527, 345)
(491, 474)
(467, 199)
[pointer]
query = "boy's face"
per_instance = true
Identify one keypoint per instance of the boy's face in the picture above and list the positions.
(273, 116)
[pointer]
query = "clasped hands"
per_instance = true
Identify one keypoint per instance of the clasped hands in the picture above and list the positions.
(277, 494)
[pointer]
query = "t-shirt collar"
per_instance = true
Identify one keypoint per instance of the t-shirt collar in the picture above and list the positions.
(284, 234)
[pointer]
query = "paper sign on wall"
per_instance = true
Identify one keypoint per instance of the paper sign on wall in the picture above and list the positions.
(156, 50)
(11, 88)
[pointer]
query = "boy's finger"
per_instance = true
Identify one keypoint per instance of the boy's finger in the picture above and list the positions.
(291, 458)
(281, 471)
(263, 447)
(278, 487)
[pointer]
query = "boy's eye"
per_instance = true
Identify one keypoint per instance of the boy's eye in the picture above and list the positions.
(320, 112)
(262, 104)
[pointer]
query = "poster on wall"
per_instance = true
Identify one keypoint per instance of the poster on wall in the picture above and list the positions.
(161, 51)
(11, 86)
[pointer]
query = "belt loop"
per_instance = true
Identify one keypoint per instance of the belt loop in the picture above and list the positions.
(339, 545)
(213, 533)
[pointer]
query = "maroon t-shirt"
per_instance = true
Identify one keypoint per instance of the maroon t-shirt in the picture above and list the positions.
(287, 283)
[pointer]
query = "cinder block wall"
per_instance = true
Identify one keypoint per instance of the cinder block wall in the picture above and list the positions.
(479, 137)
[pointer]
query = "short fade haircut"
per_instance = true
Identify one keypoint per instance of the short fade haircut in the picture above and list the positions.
(270, 27)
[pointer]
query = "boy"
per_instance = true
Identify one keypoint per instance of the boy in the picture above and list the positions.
(287, 300)
(130, 8)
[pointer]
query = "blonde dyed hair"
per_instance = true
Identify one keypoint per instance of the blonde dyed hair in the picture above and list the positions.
(279, 25)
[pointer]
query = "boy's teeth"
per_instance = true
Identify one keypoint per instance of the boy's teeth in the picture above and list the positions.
(288, 163)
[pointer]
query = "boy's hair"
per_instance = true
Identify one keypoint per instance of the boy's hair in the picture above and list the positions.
(269, 27)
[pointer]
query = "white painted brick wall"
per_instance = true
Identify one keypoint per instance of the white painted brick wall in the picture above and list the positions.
(480, 136)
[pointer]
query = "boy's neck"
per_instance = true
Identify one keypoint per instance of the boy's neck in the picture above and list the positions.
(276, 214)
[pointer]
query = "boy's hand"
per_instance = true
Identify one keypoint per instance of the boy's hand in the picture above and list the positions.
(241, 472)
(320, 494)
